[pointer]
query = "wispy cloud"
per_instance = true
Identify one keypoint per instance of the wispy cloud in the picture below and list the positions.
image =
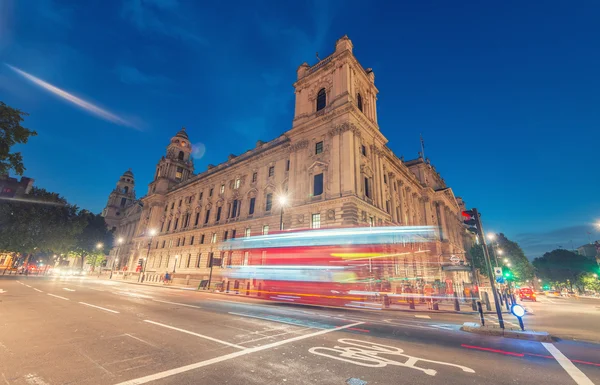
(89, 107)
(131, 75)
(164, 17)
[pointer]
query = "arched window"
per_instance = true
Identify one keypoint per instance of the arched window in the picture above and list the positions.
(180, 156)
(125, 189)
(321, 99)
(359, 102)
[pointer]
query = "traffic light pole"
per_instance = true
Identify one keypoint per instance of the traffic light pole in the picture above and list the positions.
(489, 267)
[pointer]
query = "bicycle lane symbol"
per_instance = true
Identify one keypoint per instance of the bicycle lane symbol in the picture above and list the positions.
(368, 354)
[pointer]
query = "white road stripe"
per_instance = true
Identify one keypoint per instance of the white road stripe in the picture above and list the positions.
(37, 290)
(195, 334)
(58, 296)
(99, 307)
(422, 316)
(177, 303)
(187, 368)
(273, 320)
(67, 289)
(27, 285)
(576, 374)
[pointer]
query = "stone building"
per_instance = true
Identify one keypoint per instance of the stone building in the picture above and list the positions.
(333, 166)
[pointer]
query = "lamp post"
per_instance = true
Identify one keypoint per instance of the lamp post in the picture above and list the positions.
(283, 201)
(116, 259)
(152, 233)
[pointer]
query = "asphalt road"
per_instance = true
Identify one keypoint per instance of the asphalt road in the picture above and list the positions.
(78, 331)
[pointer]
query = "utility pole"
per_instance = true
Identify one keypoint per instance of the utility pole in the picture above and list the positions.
(489, 266)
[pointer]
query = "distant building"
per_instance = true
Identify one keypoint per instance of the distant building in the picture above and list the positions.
(333, 164)
(590, 250)
(12, 188)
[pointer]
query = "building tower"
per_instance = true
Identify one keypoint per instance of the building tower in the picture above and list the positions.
(121, 197)
(175, 167)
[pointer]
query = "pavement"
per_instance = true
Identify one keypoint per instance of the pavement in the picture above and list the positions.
(86, 331)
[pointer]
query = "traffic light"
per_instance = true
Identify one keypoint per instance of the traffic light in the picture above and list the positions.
(507, 273)
(470, 222)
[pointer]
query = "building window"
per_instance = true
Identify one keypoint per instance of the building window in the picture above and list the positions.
(235, 209)
(254, 177)
(238, 181)
(359, 102)
(178, 242)
(246, 255)
(247, 232)
(318, 184)
(180, 202)
(319, 147)
(192, 241)
(179, 173)
(371, 221)
(176, 223)
(183, 241)
(180, 155)
(269, 202)
(266, 230)
(210, 192)
(384, 178)
(271, 171)
(218, 214)
(252, 202)
(169, 225)
(197, 219)
(367, 192)
(166, 207)
(188, 260)
(202, 239)
(315, 222)
(321, 99)
(233, 234)
(363, 149)
(172, 205)
(387, 206)
(206, 218)
(162, 226)
(213, 238)
(222, 190)
(225, 234)
(198, 260)
(287, 165)
(200, 196)
(123, 202)
(163, 244)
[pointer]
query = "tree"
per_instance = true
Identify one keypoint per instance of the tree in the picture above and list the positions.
(589, 281)
(43, 222)
(94, 240)
(521, 268)
(11, 133)
(564, 267)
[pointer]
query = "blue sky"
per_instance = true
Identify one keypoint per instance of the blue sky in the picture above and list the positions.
(505, 95)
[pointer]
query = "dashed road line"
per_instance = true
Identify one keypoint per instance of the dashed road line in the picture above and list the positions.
(576, 374)
(177, 303)
(187, 368)
(37, 290)
(422, 316)
(99, 307)
(67, 289)
(27, 285)
(195, 334)
(57, 296)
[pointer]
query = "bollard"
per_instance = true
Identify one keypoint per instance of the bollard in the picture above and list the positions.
(248, 288)
(480, 309)
(456, 304)
(486, 298)
(436, 306)
(411, 303)
(227, 290)
(259, 289)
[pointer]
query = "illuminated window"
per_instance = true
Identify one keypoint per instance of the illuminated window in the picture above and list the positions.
(254, 177)
(315, 222)
(269, 202)
(237, 183)
(271, 171)
(179, 173)
(266, 230)
(318, 184)
(247, 232)
(222, 189)
(246, 255)
(321, 99)
(359, 102)
(213, 238)
(319, 148)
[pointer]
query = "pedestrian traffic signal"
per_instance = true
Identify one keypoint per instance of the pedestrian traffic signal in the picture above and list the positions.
(508, 274)
(470, 222)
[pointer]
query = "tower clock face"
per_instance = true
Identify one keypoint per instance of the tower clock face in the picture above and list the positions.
(183, 144)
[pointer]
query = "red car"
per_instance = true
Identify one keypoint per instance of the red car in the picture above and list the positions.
(527, 293)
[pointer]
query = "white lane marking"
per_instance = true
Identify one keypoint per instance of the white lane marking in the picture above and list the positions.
(367, 354)
(27, 285)
(67, 289)
(139, 339)
(99, 307)
(187, 368)
(58, 296)
(34, 379)
(37, 290)
(273, 320)
(130, 294)
(572, 370)
(2, 291)
(224, 300)
(442, 327)
(177, 303)
(195, 334)
(422, 316)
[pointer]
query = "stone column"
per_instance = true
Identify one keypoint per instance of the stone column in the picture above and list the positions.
(348, 165)
(391, 182)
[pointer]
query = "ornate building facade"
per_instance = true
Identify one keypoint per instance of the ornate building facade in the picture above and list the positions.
(333, 166)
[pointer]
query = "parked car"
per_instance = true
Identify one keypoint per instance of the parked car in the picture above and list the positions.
(527, 293)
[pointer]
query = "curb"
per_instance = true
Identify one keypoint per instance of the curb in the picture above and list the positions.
(472, 327)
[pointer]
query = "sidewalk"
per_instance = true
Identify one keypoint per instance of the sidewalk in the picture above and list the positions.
(444, 306)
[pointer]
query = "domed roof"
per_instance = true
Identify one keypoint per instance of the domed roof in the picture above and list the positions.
(128, 173)
(182, 134)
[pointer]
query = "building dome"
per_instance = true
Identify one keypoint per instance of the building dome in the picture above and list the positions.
(128, 173)
(182, 134)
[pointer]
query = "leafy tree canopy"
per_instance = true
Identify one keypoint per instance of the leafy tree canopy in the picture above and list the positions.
(11, 133)
(521, 268)
(94, 240)
(563, 265)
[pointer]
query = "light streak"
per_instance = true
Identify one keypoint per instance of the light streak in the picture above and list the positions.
(95, 110)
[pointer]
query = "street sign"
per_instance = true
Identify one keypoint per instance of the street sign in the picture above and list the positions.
(454, 259)
(500, 279)
(498, 272)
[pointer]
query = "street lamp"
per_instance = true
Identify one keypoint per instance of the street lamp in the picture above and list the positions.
(119, 243)
(99, 246)
(500, 251)
(491, 236)
(505, 260)
(152, 233)
(283, 201)
(508, 264)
